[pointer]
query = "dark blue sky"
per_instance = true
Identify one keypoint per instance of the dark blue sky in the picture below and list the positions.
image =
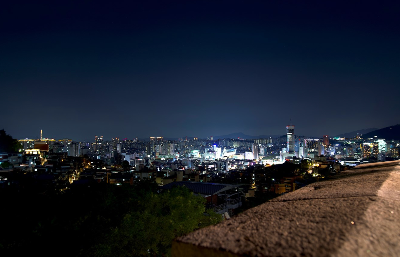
(197, 68)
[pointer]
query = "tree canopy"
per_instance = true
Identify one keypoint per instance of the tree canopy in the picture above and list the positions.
(7, 143)
(150, 231)
(102, 220)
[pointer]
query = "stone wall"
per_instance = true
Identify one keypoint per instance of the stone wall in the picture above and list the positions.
(355, 214)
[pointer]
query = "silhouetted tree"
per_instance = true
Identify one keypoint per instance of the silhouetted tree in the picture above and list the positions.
(7, 143)
(126, 166)
(101, 220)
(159, 219)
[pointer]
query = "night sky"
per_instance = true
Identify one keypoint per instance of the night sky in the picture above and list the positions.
(129, 69)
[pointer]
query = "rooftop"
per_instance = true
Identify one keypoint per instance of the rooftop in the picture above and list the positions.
(202, 188)
(354, 214)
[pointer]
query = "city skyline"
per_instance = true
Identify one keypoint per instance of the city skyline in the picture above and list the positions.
(238, 135)
(197, 69)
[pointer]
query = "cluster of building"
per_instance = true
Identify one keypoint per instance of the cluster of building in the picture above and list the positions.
(350, 151)
(65, 163)
(220, 155)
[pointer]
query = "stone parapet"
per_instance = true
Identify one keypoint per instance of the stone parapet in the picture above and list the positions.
(355, 214)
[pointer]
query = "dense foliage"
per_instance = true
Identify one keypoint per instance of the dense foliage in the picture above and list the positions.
(102, 220)
(7, 143)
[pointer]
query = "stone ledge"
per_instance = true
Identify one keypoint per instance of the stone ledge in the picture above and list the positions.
(352, 215)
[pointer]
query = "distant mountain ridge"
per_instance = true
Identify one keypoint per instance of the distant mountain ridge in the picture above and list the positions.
(388, 133)
(243, 136)
(354, 133)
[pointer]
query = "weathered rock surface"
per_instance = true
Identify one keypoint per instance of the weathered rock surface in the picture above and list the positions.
(355, 214)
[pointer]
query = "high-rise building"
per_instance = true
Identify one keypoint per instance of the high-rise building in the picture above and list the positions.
(312, 146)
(74, 149)
(326, 140)
(290, 139)
(97, 143)
(367, 149)
(255, 150)
(153, 147)
(382, 145)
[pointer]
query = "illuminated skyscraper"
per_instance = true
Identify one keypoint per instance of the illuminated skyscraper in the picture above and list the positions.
(97, 143)
(256, 150)
(290, 139)
(382, 146)
(153, 147)
(326, 141)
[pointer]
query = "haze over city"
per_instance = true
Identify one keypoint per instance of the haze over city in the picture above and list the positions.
(197, 68)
